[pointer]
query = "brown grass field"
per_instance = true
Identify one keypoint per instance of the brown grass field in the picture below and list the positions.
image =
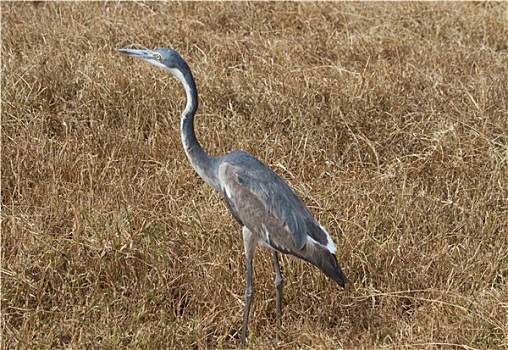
(390, 120)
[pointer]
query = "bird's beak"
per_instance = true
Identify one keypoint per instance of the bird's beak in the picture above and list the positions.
(143, 54)
(146, 55)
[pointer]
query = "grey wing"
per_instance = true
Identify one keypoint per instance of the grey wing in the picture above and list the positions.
(260, 199)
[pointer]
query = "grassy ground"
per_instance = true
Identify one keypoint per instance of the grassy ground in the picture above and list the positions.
(390, 120)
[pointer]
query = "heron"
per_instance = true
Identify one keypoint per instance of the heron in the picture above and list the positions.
(270, 213)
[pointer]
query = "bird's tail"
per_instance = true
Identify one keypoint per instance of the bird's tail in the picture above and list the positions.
(325, 261)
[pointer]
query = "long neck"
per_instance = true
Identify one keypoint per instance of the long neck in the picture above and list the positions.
(204, 164)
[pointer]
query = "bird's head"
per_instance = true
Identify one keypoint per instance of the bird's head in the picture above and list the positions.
(167, 59)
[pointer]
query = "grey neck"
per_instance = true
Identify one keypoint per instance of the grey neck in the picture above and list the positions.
(204, 164)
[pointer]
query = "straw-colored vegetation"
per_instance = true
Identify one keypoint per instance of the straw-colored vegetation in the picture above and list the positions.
(390, 120)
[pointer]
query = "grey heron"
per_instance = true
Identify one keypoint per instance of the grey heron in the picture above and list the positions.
(270, 212)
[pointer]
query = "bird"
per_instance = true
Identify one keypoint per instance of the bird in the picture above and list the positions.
(270, 213)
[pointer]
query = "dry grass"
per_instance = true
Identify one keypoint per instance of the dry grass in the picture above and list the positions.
(389, 119)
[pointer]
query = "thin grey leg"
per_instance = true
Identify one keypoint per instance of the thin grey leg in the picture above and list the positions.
(279, 286)
(249, 245)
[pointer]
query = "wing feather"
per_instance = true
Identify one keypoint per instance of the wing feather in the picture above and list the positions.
(250, 187)
(260, 200)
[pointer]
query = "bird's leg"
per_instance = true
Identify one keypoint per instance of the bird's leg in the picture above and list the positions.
(249, 244)
(249, 292)
(279, 285)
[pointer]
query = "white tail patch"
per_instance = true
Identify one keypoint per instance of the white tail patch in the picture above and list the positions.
(329, 242)
(329, 245)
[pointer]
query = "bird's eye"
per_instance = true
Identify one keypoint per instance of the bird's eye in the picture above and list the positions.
(158, 56)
